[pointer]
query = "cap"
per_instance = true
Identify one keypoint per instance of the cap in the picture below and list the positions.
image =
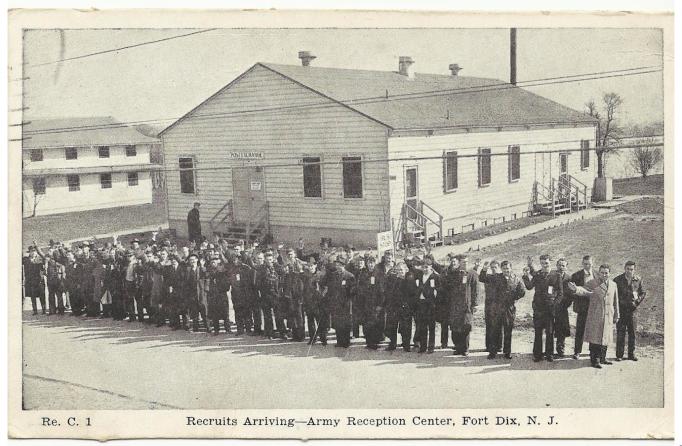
(135, 240)
(31, 248)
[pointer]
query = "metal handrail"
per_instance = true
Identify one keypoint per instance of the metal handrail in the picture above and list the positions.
(438, 223)
(228, 204)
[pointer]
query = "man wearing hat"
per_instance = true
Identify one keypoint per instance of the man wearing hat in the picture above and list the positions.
(194, 224)
(268, 283)
(130, 284)
(337, 286)
(427, 284)
(315, 304)
(369, 300)
(195, 292)
(462, 288)
(34, 285)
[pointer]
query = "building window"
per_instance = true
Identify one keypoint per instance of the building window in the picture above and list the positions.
(105, 180)
(103, 151)
(514, 163)
(74, 183)
(450, 171)
(132, 179)
(71, 153)
(312, 177)
(36, 154)
(484, 159)
(39, 186)
(584, 154)
(186, 175)
(352, 177)
(131, 151)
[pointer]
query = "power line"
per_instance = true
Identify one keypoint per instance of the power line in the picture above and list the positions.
(300, 163)
(113, 50)
(368, 100)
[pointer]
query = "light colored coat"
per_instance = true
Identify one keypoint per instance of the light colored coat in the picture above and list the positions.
(602, 313)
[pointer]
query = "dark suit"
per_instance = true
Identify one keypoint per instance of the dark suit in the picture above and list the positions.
(543, 311)
(340, 285)
(425, 309)
(580, 307)
(507, 291)
(173, 290)
(630, 295)
(194, 226)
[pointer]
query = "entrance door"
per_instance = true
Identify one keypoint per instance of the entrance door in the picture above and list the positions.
(411, 190)
(563, 164)
(248, 192)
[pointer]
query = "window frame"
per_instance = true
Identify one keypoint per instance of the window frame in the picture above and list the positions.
(191, 171)
(360, 160)
(72, 187)
(36, 159)
(68, 150)
(36, 180)
(321, 175)
(103, 182)
(510, 163)
(584, 154)
(100, 149)
(480, 166)
(132, 147)
(447, 155)
(137, 179)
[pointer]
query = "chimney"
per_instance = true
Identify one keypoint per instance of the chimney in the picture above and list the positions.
(512, 56)
(404, 66)
(305, 57)
(454, 68)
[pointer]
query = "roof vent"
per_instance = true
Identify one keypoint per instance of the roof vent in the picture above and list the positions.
(306, 57)
(454, 68)
(405, 66)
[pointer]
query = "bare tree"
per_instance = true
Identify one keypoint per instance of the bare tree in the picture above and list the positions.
(609, 133)
(34, 200)
(643, 159)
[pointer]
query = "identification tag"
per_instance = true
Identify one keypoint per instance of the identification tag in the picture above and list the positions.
(635, 295)
(371, 280)
(433, 283)
(550, 289)
(421, 297)
(343, 283)
(464, 279)
(417, 282)
(238, 278)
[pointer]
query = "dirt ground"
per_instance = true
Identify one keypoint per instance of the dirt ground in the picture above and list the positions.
(651, 185)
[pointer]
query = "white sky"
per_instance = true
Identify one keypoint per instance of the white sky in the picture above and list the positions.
(167, 79)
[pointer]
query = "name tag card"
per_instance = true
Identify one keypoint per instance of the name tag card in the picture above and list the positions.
(635, 294)
(421, 297)
(433, 283)
(238, 278)
(417, 282)
(343, 282)
(464, 279)
(371, 280)
(550, 289)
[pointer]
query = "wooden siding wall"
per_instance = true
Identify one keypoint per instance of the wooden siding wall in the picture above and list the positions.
(283, 136)
(469, 203)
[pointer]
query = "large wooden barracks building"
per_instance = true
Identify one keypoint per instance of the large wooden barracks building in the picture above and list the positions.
(306, 151)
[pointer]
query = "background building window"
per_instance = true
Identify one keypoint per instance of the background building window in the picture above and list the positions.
(36, 154)
(312, 177)
(132, 179)
(103, 151)
(514, 163)
(131, 151)
(71, 153)
(584, 154)
(450, 171)
(186, 176)
(483, 167)
(105, 180)
(74, 183)
(352, 177)
(39, 186)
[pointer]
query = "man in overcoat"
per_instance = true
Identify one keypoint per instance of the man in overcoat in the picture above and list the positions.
(338, 286)
(195, 292)
(442, 308)
(34, 282)
(315, 304)
(508, 289)
(543, 307)
(602, 314)
(463, 302)
(428, 284)
(631, 294)
(194, 224)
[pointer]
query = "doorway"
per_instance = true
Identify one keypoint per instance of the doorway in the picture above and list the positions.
(248, 192)
(412, 190)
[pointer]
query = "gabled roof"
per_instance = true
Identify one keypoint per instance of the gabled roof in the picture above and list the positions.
(426, 101)
(78, 132)
(431, 101)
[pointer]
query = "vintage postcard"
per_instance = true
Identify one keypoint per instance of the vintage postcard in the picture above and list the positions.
(310, 224)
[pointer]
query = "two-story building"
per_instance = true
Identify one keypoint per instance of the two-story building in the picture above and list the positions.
(80, 164)
(344, 153)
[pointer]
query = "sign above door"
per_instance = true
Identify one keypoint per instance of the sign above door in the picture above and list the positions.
(246, 155)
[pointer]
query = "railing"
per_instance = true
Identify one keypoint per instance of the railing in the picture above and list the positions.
(259, 219)
(227, 209)
(437, 220)
(548, 193)
(580, 188)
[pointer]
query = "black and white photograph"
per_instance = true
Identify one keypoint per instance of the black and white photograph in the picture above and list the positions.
(456, 219)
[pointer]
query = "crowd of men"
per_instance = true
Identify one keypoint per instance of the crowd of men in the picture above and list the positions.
(279, 292)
